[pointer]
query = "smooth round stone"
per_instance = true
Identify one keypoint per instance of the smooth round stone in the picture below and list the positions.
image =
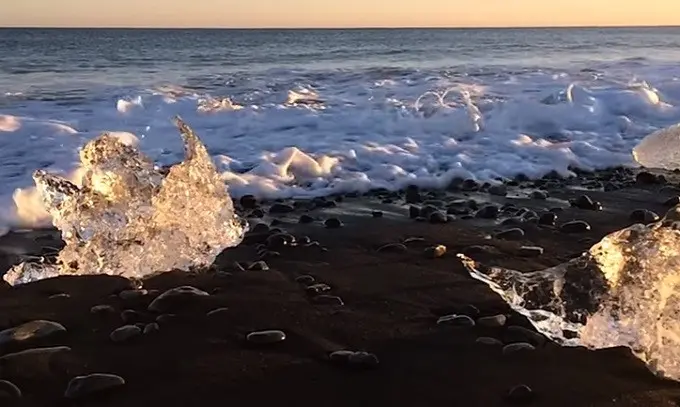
(494, 321)
(355, 359)
(333, 223)
(303, 240)
(278, 241)
(305, 280)
(237, 267)
(413, 239)
(258, 266)
(576, 226)
(305, 219)
(469, 185)
(266, 337)
(248, 202)
(488, 212)
(125, 333)
(438, 218)
(151, 328)
(548, 219)
(259, 228)
(316, 289)
(413, 212)
(413, 194)
(539, 195)
(34, 330)
(217, 312)
(328, 300)
(34, 362)
(585, 202)
(131, 295)
(643, 216)
(521, 394)
(377, 214)
(60, 296)
(435, 252)
(9, 390)
(511, 234)
(520, 334)
(102, 310)
(646, 178)
(83, 386)
(427, 210)
(498, 190)
(488, 341)
(530, 251)
(165, 318)
(130, 316)
(456, 320)
(674, 201)
(393, 248)
(267, 254)
(279, 208)
(176, 298)
(517, 347)
(257, 213)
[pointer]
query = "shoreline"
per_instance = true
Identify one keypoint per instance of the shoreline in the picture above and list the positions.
(385, 301)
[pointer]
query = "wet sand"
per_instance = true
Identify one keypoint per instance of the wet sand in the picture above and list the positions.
(382, 300)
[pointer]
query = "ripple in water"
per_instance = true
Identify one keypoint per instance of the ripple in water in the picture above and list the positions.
(625, 291)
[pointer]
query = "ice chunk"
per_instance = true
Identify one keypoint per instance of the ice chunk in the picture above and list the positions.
(625, 291)
(660, 149)
(131, 219)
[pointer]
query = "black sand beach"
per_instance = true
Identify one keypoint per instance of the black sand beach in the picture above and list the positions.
(382, 300)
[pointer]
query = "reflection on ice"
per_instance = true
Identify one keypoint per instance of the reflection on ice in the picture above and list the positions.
(625, 291)
(128, 219)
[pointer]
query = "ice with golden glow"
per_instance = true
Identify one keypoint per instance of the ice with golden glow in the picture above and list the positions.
(625, 291)
(130, 218)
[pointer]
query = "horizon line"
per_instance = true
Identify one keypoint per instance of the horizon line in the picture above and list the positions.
(121, 27)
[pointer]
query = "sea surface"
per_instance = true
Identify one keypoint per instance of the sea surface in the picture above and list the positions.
(291, 113)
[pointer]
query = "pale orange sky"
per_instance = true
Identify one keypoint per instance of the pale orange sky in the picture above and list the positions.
(337, 13)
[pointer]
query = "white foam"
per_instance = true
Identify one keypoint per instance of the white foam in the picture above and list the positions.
(276, 137)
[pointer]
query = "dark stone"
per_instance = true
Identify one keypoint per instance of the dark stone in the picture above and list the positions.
(674, 201)
(413, 212)
(260, 228)
(303, 240)
(469, 185)
(9, 391)
(102, 310)
(305, 280)
(413, 195)
(257, 213)
(266, 337)
(176, 298)
(393, 248)
(530, 251)
(279, 208)
(643, 216)
(258, 266)
(646, 178)
(130, 316)
(125, 333)
(585, 202)
(377, 214)
(248, 202)
(81, 387)
(360, 360)
(494, 321)
(456, 320)
(333, 223)
(521, 394)
(518, 334)
(317, 289)
(438, 218)
(279, 241)
(539, 195)
(518, 347)
(324, 299)
(511, 234)
(498, 190)
(576, 226)
(488, 212)
(427, 210)
(305, 219)
(548, 219)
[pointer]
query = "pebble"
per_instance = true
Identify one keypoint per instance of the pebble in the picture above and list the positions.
(643, 216)
(279, 208)
(494, 321)
(303, 240)
(59, 296)
(333, 223)
(176, 298)
(329, 300)
(305, 219)
(248, 202)
(258, 266)
(83, 386)
(131, 295)
(469, 185)
(413, 239)
(260, 228)
(355, 359)
(257, 213)
(305, 279)
(236, 266)
(316, 289)
(485, 340)
(278, 241)
(393, 248)
(585, 202)
(125, 333)
(521, 394)
(427, 210)
(498, 190)
(488, 212)
(520, 334)
(151, 328)
(435, 252)
(539, 195)
(413, 194)
(576, 226)
(165, 318)
(34, 330)
(517, 347)
(456, 320)
(102, 310)
(674, 201)
(130, 316)
(511, 234)
(377, 214)
(9, 390)
(530, 251)
(438, 218)
(32, 362)
(548, 219)
(646, 178)
(217, 312)
(413, 212)
(266, 337)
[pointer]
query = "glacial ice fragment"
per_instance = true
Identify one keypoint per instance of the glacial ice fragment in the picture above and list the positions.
(130, 218)
(625, 291)
(660, 149)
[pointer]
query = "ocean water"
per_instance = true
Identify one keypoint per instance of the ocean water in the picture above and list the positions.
(293, 113)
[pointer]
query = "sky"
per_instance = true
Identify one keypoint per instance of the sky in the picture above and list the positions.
(337, 13)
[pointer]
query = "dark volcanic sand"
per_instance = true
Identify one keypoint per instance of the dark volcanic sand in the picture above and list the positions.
(391, 305)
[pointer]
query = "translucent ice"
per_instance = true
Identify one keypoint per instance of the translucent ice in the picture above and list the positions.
(660, 149)
(132, 219)
(625, 291)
